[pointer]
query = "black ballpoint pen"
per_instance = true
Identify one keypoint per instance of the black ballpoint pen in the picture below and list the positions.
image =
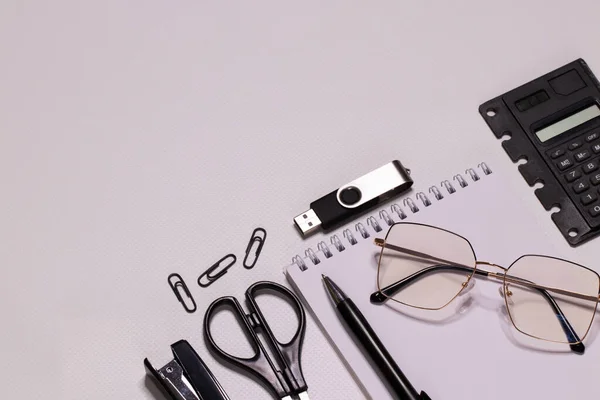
(363, 332)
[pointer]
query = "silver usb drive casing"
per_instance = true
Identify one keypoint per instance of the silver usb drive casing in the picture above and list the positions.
(354, 198)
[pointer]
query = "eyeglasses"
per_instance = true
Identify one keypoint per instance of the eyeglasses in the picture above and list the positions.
(547, 298)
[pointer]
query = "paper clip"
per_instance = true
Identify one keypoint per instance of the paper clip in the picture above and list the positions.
(211, 276)
(179, 283)
(256, 238)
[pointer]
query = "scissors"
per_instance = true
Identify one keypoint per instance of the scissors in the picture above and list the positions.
(282, 374)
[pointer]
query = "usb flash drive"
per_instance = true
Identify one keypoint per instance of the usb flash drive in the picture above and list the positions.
(355, 197)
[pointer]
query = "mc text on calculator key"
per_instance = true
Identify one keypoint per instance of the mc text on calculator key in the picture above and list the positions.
(590, 167)
(565, 163)
(592, 136)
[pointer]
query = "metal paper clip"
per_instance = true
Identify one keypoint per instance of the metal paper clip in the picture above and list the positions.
(256, 238)
(210, 275)
(175, 286)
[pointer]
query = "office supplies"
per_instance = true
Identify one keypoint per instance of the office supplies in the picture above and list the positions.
(186, 377)
(553, 123)
(259, 236)
(176, 283)
(355, 197)
(453, 352)
(283, 373)
(360, 328)
(427, 267)
(216, 271)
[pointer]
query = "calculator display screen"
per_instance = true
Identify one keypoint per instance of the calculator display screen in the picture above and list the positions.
(570, 122)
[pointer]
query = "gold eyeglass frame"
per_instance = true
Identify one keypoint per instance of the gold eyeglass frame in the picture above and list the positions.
(502, 276)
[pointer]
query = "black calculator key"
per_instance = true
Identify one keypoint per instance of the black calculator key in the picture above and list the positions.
(582, 155)
(580, 186)
(596, 148)
(595, 179)
(590, 167)
(589, 198)
(565, 163)
(592, 136)
(557, 153)
(595, 211)
(575, 145)
(572, 176)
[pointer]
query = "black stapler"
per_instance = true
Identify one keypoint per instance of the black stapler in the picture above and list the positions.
(186, 377)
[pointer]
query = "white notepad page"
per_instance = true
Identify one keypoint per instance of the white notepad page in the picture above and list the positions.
(475, 354)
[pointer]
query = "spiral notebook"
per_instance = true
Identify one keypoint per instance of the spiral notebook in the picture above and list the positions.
(473, 353)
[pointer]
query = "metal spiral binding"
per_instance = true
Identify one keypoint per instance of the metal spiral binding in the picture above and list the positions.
(436, 192)
(448, 186)
(396, 209)
(484, 167)
(323, 248)
(421, 196)
(349, 237)
(461, 181)
(408, 202)
(385, 217)
(360, 228)
(473, 174)
(313, 257)
(335, 240)
(374, 224)
(299, 262)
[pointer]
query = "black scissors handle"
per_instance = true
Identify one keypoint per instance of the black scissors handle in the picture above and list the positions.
(284, 375)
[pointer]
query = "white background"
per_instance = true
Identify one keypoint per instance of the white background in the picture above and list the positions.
(142, 138)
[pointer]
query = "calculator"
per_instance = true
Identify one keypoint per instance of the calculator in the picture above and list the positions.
(552, 126)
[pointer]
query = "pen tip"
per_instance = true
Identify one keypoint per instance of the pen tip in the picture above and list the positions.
(323, 276)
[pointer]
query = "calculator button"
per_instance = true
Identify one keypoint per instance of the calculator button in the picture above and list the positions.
(575, 145)
(592, 136)
(590, 167)
(565, 163)
(580, 187)
(572, 176)
(582, 155)
(559, 152)
(589, 198)
(596, 148)
(595, 179)
(595, 211)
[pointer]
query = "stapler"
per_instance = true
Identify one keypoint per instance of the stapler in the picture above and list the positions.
(186, 377)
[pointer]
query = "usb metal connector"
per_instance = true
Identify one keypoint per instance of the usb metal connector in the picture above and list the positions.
(307, 222)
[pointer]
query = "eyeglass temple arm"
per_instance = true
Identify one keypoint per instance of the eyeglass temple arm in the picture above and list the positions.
(383, 294)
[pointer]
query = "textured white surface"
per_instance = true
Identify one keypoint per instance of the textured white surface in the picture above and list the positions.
(141, 138)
